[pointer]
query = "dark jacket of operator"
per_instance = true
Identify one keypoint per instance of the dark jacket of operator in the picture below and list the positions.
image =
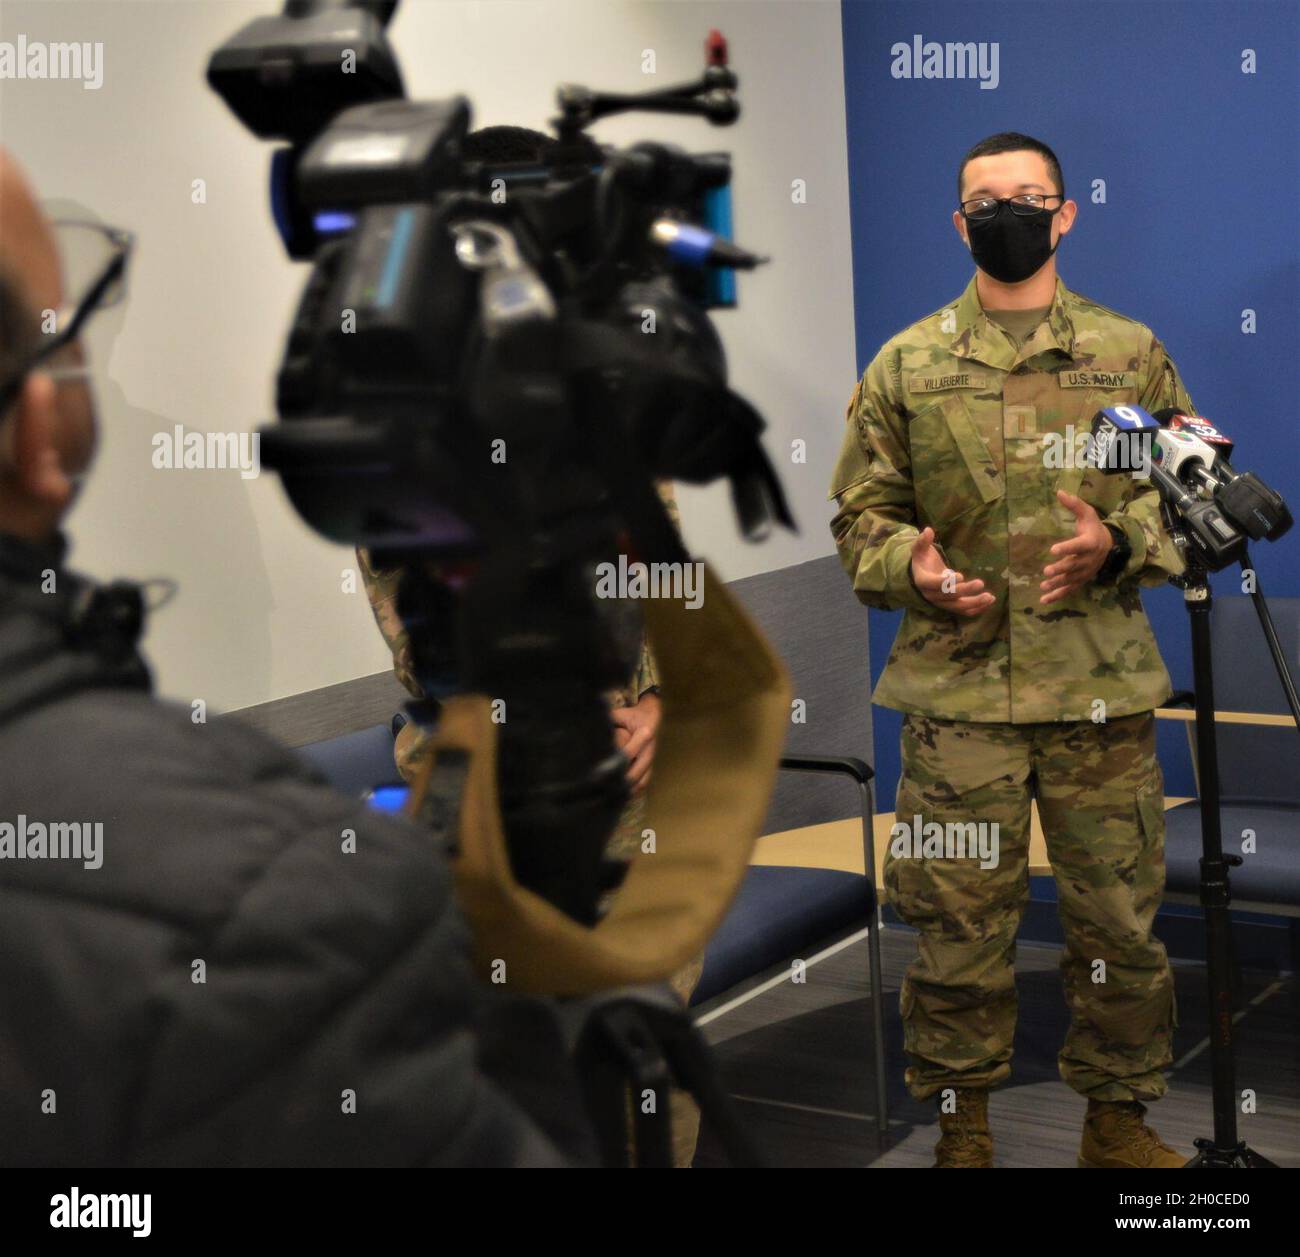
(216, 981)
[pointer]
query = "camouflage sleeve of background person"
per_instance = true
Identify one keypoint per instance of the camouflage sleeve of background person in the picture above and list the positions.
(875, 525)
(646, 674)
(1155, 558)
(381, 588)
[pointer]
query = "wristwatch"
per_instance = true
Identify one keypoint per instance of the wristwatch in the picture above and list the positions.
(1117, 559)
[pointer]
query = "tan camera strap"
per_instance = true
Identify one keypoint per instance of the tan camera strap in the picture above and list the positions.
(726, 707)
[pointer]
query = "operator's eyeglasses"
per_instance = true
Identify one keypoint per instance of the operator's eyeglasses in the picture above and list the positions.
(1026, 205)
(94, 260)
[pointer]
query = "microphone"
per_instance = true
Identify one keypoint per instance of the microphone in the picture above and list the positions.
(1122, 441)
(1260, 512)
(1196, 425)
(1183, 455)
(1122, 437)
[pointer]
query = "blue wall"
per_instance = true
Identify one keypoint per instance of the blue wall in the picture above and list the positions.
(1202, 221)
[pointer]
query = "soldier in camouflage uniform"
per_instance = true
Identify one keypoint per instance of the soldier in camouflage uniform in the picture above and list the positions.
(1024, 663)
(634, 709)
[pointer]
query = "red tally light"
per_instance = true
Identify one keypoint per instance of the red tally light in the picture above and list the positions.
(715, 48)
(456, 573)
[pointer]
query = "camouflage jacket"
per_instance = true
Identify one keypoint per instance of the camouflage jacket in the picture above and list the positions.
(954, 427)
(381, 589)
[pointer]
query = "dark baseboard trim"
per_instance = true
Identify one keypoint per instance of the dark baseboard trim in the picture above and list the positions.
(329, 712)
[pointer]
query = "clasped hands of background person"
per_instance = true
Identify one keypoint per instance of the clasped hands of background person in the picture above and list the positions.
(1077, 561)
(634, 735)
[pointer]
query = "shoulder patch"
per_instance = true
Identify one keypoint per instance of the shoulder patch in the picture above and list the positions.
(928, 330)
(854, 400)
(1081, 300)
(1085, 307)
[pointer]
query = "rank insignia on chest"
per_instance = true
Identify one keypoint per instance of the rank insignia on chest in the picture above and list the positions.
(1018, 421)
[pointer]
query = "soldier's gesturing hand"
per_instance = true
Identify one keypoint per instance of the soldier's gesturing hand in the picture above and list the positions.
(940, 585)
(1079, 559)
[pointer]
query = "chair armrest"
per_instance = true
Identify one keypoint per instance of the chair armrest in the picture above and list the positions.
(862, 773)
(858, 769)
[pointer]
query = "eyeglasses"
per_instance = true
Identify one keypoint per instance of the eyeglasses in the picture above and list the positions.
(94, 260)
(1026, 205)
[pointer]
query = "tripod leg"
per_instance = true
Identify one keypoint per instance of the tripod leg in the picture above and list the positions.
(1225, 1149)
(1274, 645)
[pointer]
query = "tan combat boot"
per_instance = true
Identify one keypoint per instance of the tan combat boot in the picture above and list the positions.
(1116, 1138)
(965, 1143)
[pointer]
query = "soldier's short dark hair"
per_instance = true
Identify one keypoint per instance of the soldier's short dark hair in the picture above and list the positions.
(19, 329)
(1012, 142)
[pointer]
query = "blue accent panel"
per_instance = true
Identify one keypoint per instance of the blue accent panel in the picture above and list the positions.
(717, 217)
(396, 258)
(886, 724)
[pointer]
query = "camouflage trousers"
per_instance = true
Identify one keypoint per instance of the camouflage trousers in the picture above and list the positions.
(1100, 798)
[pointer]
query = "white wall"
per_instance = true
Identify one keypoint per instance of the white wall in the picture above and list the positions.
(261, 613)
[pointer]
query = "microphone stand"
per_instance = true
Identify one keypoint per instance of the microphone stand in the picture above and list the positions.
(1225, 1150)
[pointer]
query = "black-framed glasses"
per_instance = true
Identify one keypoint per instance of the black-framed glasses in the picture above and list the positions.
(981, 209)
(94, 259)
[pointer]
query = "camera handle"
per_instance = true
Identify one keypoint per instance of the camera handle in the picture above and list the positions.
(631, 1045)
(712, 96)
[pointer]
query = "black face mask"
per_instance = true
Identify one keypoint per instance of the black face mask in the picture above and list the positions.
(1010, 246)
